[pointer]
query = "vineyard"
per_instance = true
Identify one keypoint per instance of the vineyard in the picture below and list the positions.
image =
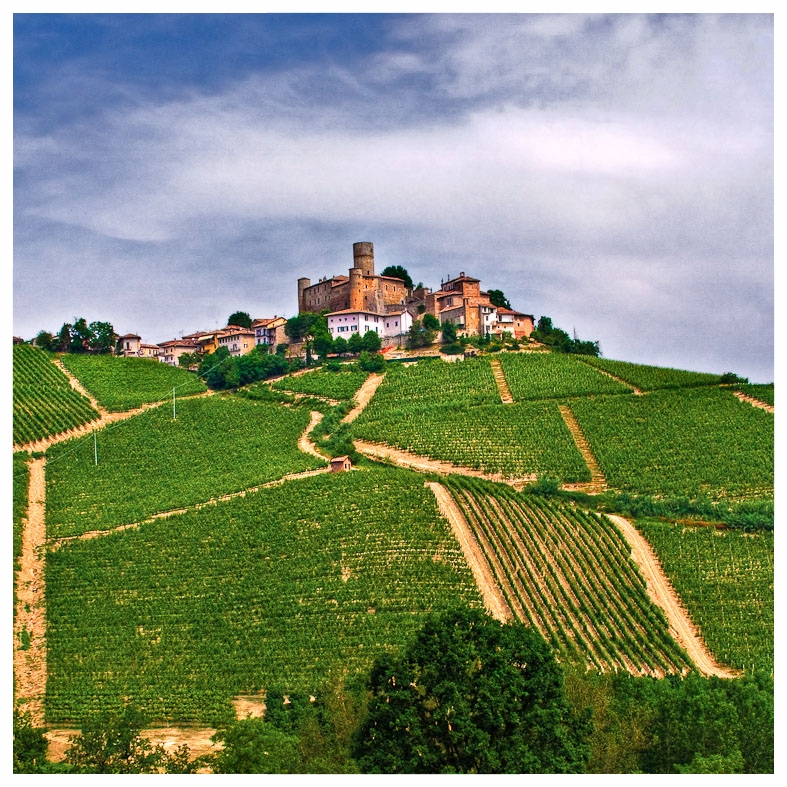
(516, 441)
(121, 384)
(725, 578)
(652, 378)
(152, 462)
(698, 441)
(44, 401)
(332, 385)
(569, 574)
(552, 376)
(765, 393)
(185, 613)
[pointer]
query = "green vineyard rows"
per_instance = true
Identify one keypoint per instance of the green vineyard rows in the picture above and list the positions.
(278, 589)
(514, 440)
(127, 383)
(333, 385)
(151, 463)
(698, 441)
(569, 574)
(551, 375)
(651, 378)
(725, 579)
(44, 401)
(765, 393)
(435, 382)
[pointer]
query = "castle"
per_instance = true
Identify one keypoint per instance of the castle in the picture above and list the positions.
(365, 300)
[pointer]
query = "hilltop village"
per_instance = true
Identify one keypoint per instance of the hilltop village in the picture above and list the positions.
(356, 303)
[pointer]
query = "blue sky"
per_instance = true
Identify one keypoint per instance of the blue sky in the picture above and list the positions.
(613, 172)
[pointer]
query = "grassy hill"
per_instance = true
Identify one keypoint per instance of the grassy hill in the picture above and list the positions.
(242, 588)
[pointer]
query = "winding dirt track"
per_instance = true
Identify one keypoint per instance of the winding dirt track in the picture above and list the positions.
(663, 594)
(425, 464)
(363, 395)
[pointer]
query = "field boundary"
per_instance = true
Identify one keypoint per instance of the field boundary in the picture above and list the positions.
(502, 383)
(598, 483)
(494, 602)
(662, 594)
(30, 665)
(636, 391)
(753, 401)
(363, 396)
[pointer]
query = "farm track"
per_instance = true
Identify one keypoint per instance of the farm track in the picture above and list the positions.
(363, 396)
(427, 465)
(493, 599)
(30, 619)
(754, 402)
(636, 391)
(663, 595)
(502, 383)
(305, 443)
(597, 481)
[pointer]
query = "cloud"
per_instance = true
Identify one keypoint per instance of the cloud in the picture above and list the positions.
(595, 168)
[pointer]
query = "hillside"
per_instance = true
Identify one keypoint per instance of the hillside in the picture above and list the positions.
(194, 562)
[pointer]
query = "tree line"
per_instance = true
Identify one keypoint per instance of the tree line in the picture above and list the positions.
(466, 695)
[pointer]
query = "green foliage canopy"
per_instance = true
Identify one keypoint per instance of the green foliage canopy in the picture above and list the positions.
(470, 695)
(398, 272)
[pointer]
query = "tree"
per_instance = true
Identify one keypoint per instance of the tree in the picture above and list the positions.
(471, 695)
(30, 745)
(256, 746)
(102, 339)
(323, 344)
(80, 336)
(46, 341)
(496, 298)
(241, 319)
(187, 360)
(112, 743)
(430, 322)
(64, 338)
(398, 272)
(355, 343)
(340, 345)
(449, 333)
(371, 341)
(371, 361)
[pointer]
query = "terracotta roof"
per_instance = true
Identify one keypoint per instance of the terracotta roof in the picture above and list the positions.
(129, 336)
(356, 311)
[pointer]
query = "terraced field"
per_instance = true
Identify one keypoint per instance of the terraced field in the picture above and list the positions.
(333, 385)
(554, 376)
(726, 580)
(652, 378)
(279, 588)
(44, 401)
(152, 463)
(121, 384)
(697, 441)
(568, 573)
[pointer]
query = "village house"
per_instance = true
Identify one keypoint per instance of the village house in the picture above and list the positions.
(170, 352)
(237, 340)
(130, 345)
(270, 332)
(349, 321)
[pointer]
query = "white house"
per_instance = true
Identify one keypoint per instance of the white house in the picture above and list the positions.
(349, 321)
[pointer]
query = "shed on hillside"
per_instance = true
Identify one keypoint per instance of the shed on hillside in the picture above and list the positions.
(340, 464)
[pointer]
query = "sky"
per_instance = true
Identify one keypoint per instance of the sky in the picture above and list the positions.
(613, 172)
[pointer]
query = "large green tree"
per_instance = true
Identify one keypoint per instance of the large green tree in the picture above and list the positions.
(241, 319)
(497, 298)
(398, 272)
(471, 695)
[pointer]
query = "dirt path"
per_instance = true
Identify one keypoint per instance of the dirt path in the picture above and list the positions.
(636, 391)
(663, 594)
(78, 387)
(502, 383)
(493, 599)
(363, 396)
(597, 481)
(305, 443)
(425, 464)
(753, 402)
(30, 622)
(197, 739)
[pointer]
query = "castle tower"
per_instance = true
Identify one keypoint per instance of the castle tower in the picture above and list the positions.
(356, 289)
(302, 285)
(363, 257)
